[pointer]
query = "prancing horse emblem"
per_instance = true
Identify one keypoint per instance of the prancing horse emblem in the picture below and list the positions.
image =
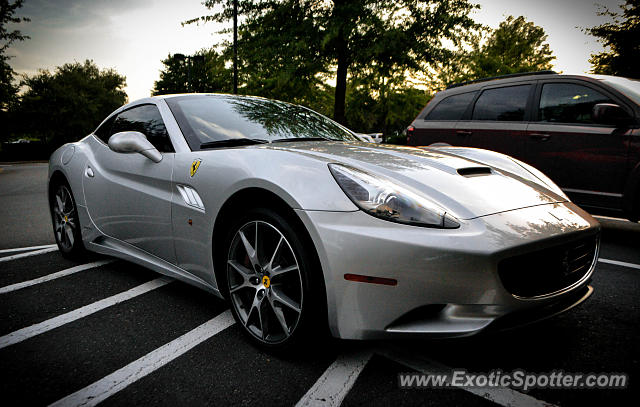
(194, 166)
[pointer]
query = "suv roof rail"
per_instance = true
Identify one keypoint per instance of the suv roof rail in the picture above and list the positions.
(511, 75)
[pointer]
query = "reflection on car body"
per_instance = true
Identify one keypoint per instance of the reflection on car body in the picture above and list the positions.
(301, 226)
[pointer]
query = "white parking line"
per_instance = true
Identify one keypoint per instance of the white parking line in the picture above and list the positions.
(503, 396)
(33, 253)
(49, 277)
(136, 370)
(24, 249)
(620, 263)
(334, 384)
(37, 329)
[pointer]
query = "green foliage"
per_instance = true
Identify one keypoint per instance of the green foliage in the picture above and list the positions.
(278, 58)
(8, 89)
(68, 104)
(205, 71)
(516, 46)
(622, 38)
(376, 104)
(289, 48)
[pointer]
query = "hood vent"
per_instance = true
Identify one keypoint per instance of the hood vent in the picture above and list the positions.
(474, 171)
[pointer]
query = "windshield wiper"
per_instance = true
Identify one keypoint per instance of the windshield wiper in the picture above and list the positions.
(232, 142)
(283, 140)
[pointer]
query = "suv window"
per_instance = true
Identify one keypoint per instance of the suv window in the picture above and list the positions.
(568, 103)
(147, 120)
(502, 104)
(452, 107)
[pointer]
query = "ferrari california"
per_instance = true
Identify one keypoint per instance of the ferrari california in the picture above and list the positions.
(303, 228)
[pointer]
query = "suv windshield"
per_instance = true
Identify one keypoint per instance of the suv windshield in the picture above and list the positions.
(207, 119)
(629, 87)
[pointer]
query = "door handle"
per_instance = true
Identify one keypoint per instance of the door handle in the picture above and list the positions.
(88, 172)
(540, 136)
(463, 133)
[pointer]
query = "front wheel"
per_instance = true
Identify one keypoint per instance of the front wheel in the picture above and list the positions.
(66, 224)
(270, 280)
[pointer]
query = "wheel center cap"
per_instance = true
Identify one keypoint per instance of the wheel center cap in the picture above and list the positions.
(66, 218)
(266, 281)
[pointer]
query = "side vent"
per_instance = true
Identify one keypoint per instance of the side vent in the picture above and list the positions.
(474, 171)
(190, 196)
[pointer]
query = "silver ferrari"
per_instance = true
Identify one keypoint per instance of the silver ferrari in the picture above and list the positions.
(303, 228)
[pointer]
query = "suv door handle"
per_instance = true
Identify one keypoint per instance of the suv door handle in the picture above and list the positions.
(88, 172)
(463, 133)
(540, 136)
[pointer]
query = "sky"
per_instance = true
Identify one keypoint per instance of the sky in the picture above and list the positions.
(133, 36)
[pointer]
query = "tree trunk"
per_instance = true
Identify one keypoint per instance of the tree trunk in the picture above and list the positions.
(341, 83)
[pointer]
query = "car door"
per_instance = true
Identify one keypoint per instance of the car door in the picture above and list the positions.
(129, 196)
(498, 119)
(586, 159)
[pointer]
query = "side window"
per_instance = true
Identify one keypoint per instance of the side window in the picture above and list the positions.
(104, 132)
(452, 107)
(502, 104)
(147, 120)
(568, 103)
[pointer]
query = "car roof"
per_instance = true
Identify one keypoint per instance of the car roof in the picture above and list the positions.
(471, 86)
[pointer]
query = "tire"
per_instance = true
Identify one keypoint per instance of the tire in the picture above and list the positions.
(66, 223)
(275, 295)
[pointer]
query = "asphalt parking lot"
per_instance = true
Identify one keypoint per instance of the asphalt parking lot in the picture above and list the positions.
(110, 332)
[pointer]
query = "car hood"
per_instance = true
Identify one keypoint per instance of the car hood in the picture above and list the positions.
(465, 188)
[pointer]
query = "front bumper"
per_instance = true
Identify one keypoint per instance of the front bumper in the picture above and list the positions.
(447, 279)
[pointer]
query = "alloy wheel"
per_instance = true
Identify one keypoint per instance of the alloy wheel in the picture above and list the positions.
(265, 282)
(64, 218)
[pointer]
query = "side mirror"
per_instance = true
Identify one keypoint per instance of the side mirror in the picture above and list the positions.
(609, 113)
(134, 142)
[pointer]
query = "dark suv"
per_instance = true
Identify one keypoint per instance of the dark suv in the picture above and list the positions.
(583, 131)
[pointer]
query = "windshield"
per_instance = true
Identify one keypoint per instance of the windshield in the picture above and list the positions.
(204, 119)
(629, 87)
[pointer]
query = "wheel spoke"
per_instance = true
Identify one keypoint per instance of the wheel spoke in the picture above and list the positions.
(279, 270)
(242, 270)
(257, 303)
(59, 202)
(255, 251)
(64, 197)
(270, 312)
(279, 316)
(251, 252)
(275, 252)
(69, 233)
(283, 299)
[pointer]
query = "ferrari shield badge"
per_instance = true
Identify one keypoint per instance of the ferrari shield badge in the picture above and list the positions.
(194, 167)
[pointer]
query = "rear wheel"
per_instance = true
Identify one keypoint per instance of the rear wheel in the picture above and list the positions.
(269, 281)
(66, 224)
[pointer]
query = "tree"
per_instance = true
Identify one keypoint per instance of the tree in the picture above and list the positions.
(336, 38)
(622, 38)
(205, 71)
(279, 59)
(68, 104)
(516, 46)
(8, 90)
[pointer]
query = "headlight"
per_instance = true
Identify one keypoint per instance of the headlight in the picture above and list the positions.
(384, 199)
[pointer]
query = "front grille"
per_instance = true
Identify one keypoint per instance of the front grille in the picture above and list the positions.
(549, 270)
